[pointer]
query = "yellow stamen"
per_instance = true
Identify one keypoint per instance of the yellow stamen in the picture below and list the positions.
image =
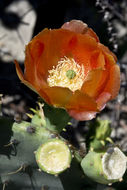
(67, 74)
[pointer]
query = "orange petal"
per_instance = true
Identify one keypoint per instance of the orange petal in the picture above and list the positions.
(80, 27)
(81, 102)
(82, 116)
(95, 82)
(97, 60)
(21, 77)
(54, 41)
(113, 84)
(57, 96)
(80, 47)
(39, 88)
(75, 26)
(59, 43)
(81, 106)
(102, 100)
(33, 52)
(92, 34)
(107, 51)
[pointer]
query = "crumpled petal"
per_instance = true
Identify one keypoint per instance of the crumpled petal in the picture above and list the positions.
(75, 26)
(102, 100)
(79, 27)
(113, 83)
(82, 115)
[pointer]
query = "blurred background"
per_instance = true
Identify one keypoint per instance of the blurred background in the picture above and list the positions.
(20, 20)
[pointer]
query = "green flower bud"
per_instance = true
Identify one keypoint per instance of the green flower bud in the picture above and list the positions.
(100, 129)
(103, 129)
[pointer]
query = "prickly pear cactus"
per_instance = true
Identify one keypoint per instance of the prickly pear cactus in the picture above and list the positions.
(19, 169)
(21, 149)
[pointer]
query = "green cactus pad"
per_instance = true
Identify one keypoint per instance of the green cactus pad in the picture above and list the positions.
(92, 167)
(105, 167)
(53, 156)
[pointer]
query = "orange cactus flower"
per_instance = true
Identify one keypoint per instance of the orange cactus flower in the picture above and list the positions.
(69, 68)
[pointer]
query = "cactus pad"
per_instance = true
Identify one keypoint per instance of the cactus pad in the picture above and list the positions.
(105, 167)
(53, 156)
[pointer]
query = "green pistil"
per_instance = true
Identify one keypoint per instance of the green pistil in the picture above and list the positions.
(70, 74)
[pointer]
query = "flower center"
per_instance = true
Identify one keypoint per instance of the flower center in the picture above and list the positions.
(67, 74)
(70, 74)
